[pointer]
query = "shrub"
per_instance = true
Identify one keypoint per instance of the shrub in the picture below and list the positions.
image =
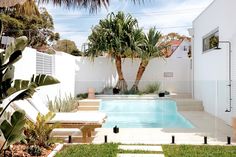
(34, 150)
(131, 91)
(39, 133)
(68, 104)
(152, 88)
(82, 96)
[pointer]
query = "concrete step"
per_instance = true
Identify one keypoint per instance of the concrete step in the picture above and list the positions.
(140, 147)
(189, 105)
(90, 102)
(140, 155)
(88, 108)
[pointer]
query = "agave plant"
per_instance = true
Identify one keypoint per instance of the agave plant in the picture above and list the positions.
(19, 89)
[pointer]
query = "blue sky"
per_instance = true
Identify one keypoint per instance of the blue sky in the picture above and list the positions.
(167, 16)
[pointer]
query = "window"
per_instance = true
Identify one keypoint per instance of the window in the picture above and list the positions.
(211, 40)
(45, 64)
(185, 48)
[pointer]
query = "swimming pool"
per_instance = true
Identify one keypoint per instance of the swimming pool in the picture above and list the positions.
(143, 114)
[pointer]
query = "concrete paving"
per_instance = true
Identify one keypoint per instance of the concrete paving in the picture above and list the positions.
(205, 125)
(140, 147)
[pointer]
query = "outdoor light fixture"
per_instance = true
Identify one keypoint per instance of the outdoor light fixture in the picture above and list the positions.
(116, 130)
(205, 139)
(230, 73)
(105, 139)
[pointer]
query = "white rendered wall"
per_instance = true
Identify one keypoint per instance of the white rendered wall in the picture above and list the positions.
(64, 72)
(180, 52)
(77, 74)
(101, 73)
(211, 68)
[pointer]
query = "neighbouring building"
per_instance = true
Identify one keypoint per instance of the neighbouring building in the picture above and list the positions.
(179, 49)
(214, 69)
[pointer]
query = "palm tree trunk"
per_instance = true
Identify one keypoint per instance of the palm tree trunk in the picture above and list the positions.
(139, 75)
(121, 84)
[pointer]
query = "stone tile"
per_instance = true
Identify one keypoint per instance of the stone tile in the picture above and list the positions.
(140, 155)
(139, 147)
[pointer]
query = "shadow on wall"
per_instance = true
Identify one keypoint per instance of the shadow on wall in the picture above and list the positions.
(98, 74)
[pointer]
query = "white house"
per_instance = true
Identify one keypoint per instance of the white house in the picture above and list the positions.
(180, 49)
(214, 68)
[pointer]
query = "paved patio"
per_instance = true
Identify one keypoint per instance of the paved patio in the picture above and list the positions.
(205, 125)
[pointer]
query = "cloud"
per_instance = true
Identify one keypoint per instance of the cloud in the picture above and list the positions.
(168, 16)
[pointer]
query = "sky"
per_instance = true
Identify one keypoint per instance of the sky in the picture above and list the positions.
(166, 16)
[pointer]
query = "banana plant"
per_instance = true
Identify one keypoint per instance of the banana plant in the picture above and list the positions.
(13, 130)
(16, 89)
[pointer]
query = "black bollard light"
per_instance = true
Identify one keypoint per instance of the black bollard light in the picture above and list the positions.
(173, 140)
(70, 139)
(105, 139)
(116, 130)
(228, 140)
(205, 139)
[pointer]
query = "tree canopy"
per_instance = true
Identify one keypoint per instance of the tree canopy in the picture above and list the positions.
(67, 46)
(38, 29)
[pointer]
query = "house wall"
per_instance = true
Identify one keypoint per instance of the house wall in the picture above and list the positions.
(211, 71)
(180, 52)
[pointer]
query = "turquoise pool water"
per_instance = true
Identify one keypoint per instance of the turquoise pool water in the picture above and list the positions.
(143, 114)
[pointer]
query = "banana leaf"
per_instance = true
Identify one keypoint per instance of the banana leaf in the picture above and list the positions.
(13, 130)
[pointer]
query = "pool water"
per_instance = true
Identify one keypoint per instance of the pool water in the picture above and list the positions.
(143, 114)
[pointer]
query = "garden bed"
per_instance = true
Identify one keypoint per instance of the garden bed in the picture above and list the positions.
(21, 150)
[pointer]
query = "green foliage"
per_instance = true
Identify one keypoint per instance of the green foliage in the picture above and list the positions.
(198, 151)
(67, 46)
(111, 150)
(214, 42)
(34, 150)
(113, 35)
(67, 104)
(152, 88)
(39, 133)
(92, 150)
(119, 36)
(38, 28)
(13, 129)
(7, 58)
(132, 92)
(22, 89)
(82, 96)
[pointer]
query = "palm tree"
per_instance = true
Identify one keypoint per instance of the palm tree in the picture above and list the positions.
(150, 49)
(93, 5)
(116, 35)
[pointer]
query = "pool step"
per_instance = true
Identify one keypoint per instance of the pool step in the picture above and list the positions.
(157, 149)
(88, 108)
(189, 105)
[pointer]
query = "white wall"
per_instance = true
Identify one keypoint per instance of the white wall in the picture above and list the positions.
(64, 72)
(102, 73)
(180, 52)
(77, 74)
(211, 68)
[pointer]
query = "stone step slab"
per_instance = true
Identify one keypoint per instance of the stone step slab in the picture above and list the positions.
(140, 147)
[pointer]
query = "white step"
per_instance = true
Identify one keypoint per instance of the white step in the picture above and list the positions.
(189, 105)
(140, 155)
(138, 147)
